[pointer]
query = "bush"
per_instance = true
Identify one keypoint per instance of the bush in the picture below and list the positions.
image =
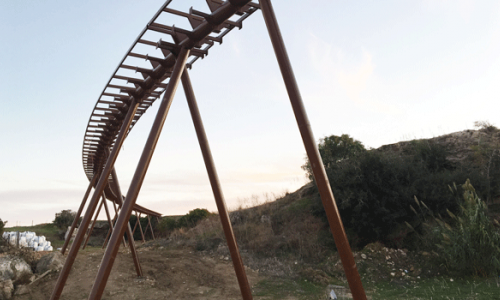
(167, 224)
(64, 219)
(189, 220)
(470, 245)
(2, 226)
(374, 189)
(192, 218)
(335, 149)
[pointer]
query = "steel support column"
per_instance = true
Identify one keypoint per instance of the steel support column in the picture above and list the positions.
(239, 268)
(110, 231)
(324, 188)
(130, 236)
(135, 226)
(151, 227)
(110, 222)
(140, 227)
(78, 214)
(108, 215)
(89, 232)
(137, 180)
(103, 179)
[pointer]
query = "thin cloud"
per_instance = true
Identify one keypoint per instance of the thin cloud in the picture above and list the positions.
(353, 75)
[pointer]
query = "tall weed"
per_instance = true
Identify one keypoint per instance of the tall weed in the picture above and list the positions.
(467, 242)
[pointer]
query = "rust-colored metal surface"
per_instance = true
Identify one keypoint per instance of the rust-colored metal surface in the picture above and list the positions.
(152, 67)
(216, 188)
(78, 214)
(322, 182)
(89, 231)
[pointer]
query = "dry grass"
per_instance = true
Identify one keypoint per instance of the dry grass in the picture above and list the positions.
(271, 226)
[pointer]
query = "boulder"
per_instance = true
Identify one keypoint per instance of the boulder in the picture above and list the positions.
(15, 269)
(6, 289)
(21, 290)
(53, 262)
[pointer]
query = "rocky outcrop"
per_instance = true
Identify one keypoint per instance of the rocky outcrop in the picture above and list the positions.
(13, 271)
(6, 289)
(460, 145)
(53, 262)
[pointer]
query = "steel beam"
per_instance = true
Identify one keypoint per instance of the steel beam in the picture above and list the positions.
(110, 221)
(89, 232)
(137, 180)
(78, 214)
(151, 227)
(324, 188)
(130, 236)
(140, 227)
(108, 215)
(111, 228)
(239, 268)
(103, 179)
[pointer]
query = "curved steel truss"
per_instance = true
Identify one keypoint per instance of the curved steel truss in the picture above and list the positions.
(153, 66)
(144, 73)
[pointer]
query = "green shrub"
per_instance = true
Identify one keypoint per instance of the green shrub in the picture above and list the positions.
(64, 219)
(335, 149)
(167, 224)
(467, 242)
(192, 218)
(374, 189)
(2, 226)
(189, 220)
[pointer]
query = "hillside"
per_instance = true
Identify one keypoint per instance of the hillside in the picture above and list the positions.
(289, 252)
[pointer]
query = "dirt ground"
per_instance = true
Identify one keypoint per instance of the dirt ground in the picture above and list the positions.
(172, 274)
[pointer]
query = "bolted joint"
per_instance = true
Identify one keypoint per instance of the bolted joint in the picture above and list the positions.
(173, 48)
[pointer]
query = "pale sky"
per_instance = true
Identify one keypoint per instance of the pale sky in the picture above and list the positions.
(380, 71)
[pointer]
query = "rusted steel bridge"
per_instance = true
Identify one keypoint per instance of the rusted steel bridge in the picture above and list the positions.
(152, 68)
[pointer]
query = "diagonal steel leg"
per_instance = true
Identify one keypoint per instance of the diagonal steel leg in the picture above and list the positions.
(108, 216)
(136, 222)
(140, 227)
(103, 179)
(130, 236)
(93, 224)
(147, 226)
(324, 188)
(151, 227)
(137, 180)
(78, 214)
(110, 222)
(216, 188)
(111, 229)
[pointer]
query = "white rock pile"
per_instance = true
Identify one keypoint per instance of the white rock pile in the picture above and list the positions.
(27, 239)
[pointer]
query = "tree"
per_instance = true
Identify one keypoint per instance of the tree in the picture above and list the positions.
(64, 219)
(335, 149)
(2, 225)
(193, 217)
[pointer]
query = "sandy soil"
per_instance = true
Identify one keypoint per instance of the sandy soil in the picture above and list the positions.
(172, 274)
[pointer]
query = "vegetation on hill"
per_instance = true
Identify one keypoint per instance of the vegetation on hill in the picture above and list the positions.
(64, 219)
(467, 243)
(189, 220)
(376, 192)
(2, 225)
(374, 188)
